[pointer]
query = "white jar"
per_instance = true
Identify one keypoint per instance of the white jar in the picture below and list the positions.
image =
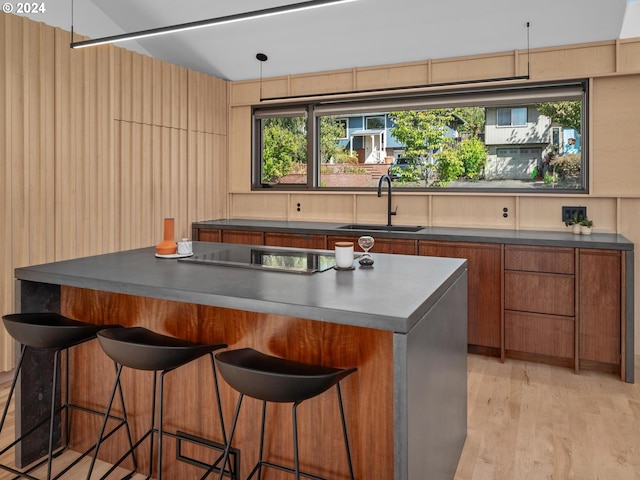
(185, 247)
(344, 254)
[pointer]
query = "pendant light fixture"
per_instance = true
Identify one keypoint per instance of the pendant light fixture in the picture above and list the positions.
(182, 27)
(261, 57)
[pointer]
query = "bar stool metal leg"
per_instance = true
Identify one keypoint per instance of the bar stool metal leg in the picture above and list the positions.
(279, 380)
(344, 431)
(232, 471)
(141, 349)
(117, 387)
(227, 447)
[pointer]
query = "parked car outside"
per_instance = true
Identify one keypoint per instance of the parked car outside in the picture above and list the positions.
(407, 168)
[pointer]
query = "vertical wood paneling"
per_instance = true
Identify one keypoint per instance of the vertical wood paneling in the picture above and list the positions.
(208, 172)
(6, 292)
(95, 151)
(28, 159)
(207, 103)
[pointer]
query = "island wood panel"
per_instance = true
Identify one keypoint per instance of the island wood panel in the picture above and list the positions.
(299, 240)
(600, 306)
(484, 263)
(382, 245)
(189, 400)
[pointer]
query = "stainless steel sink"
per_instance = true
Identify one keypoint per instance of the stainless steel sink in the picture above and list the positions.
(386, 228)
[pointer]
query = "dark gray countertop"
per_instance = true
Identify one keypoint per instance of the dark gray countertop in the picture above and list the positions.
(393, 295)
(485, 235)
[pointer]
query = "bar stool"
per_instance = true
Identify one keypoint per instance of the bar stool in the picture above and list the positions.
(50, 331)
(274, 379)
(141, 349)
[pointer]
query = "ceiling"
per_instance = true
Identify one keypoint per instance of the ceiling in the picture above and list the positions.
(357, 34)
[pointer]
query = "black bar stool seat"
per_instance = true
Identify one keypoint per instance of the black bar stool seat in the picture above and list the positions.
(141, 349)
(49, 331)
(274, 379)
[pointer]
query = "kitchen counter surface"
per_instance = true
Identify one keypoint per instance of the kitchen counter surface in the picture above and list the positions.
(392, 295)
(451, 234)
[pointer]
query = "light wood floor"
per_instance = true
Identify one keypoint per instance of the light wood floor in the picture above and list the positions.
(530, 421)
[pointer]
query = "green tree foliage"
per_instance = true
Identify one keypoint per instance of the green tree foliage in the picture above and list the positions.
(284, 146)
(331, 131)
(567, 114)
(472, 152)
(449, 166)
(474, 118)
(421, 132)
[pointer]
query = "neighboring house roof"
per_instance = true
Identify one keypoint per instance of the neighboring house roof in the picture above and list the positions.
(371, 131)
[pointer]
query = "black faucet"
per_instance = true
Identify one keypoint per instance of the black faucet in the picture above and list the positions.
(389, 212)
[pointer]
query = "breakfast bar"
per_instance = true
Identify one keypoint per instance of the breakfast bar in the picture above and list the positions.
(401, 322)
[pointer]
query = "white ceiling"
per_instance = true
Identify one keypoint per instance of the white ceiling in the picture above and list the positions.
(357, 34)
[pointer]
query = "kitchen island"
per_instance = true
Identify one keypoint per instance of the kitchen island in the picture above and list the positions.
(402, 323)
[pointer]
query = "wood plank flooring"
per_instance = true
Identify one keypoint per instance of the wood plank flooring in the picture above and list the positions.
(530, 421)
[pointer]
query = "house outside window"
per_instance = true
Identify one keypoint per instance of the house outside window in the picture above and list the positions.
(470, 140)
(375, 123)
(512, 117)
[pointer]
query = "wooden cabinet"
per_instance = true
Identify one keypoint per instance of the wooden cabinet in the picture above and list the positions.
(205, 235)
(485, 289)
(600, 287)
(540, 303)
(383, 245)
(557, 305)
(298, 240)
(248, 237)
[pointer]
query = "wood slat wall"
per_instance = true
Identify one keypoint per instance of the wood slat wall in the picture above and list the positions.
(97, 147)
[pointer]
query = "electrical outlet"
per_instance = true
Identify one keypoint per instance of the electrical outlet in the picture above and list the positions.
(567, 212)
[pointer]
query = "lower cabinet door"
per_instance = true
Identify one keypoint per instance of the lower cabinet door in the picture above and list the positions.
(485, 286)
(550, 335)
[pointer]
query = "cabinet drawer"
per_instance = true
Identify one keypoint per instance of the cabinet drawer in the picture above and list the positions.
(294, 240)
(539, 292)
(539, 259)
(242, 236)
(208, 235)
(542, 334)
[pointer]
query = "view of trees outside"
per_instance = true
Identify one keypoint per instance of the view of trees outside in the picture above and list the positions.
(440, 148)
(284, 148)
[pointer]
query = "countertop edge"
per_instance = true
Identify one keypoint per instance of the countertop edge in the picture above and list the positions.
(606, 241)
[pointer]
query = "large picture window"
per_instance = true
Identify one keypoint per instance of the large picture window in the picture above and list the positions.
(518, 138)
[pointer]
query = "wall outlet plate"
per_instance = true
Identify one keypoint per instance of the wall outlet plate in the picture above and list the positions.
(567, 212)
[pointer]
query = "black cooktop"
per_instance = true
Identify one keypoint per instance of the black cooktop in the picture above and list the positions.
(264, 258)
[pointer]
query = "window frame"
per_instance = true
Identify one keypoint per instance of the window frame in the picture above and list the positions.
(485, 96)
(511, 123)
